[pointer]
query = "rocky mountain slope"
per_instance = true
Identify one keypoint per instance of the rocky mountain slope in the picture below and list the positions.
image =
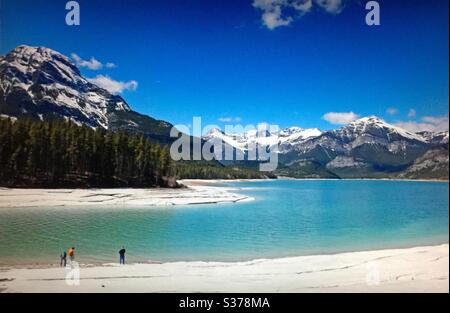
(41, 83)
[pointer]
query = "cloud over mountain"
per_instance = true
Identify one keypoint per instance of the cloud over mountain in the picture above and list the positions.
(92, 64)
(427, 123)
(113, 86)
(343, 118)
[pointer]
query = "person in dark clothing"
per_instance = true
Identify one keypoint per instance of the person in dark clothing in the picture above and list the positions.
(64, 259)
(122, 255)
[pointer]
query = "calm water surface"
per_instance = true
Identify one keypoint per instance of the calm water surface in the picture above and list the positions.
(288, 218)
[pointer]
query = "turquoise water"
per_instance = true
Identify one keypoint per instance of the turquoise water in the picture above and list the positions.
(288, 218)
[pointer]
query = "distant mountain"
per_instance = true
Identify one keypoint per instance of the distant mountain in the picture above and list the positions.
(367, 139)
(243, 144)
(366, 148)
(43, 84)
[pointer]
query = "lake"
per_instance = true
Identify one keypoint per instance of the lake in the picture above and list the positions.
(288, 218)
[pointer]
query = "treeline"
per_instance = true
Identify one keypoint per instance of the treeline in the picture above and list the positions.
(213, 170)
(63, 154)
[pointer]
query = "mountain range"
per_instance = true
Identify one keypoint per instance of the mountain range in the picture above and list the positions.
(366, 148)
(42, 84)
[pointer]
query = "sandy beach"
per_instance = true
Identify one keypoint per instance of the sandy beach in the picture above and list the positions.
(421, 269)
(196, 193)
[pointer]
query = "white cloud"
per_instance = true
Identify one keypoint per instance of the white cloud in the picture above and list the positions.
(427, 123)
(331, 6)
(92, 64)
(340, 118)
(392, 111)
(112, 85)
(412, 113)
(439, 122)
(278, 13)
(272, 19)
(110, 65)
(228, 119)
(302, 7)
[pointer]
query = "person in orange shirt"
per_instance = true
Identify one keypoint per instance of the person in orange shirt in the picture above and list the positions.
(71, 254)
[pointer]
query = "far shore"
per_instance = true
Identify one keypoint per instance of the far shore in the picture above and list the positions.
(205, 182)
(191, 182)
(421, 269)
(367, 179)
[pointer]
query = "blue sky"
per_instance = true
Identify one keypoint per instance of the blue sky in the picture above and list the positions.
(221, 60)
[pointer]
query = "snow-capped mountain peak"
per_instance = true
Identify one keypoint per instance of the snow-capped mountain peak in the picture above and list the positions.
(377, 127)
(24, 62)
(296, 134)
(286, 138)
(38, 55)
(290, 131)
(42, 83)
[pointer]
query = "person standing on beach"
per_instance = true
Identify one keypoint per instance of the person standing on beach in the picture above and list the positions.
(122, 256)
(63, 259)
(71, 254)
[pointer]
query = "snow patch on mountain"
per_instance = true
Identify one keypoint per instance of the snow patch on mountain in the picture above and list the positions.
(345, 162)
(248, 140)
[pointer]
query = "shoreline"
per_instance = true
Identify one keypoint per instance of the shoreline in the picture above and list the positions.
(89, 263)
(367, 179)
(206, 182)
(194, 194)
(420, 269)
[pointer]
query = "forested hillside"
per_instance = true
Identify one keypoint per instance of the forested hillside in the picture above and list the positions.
(63, 154)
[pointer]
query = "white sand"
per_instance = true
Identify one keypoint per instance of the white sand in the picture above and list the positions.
(423, 269)
(195, 194)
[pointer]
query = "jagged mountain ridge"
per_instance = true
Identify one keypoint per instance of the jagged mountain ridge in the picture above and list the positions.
(285, 138)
